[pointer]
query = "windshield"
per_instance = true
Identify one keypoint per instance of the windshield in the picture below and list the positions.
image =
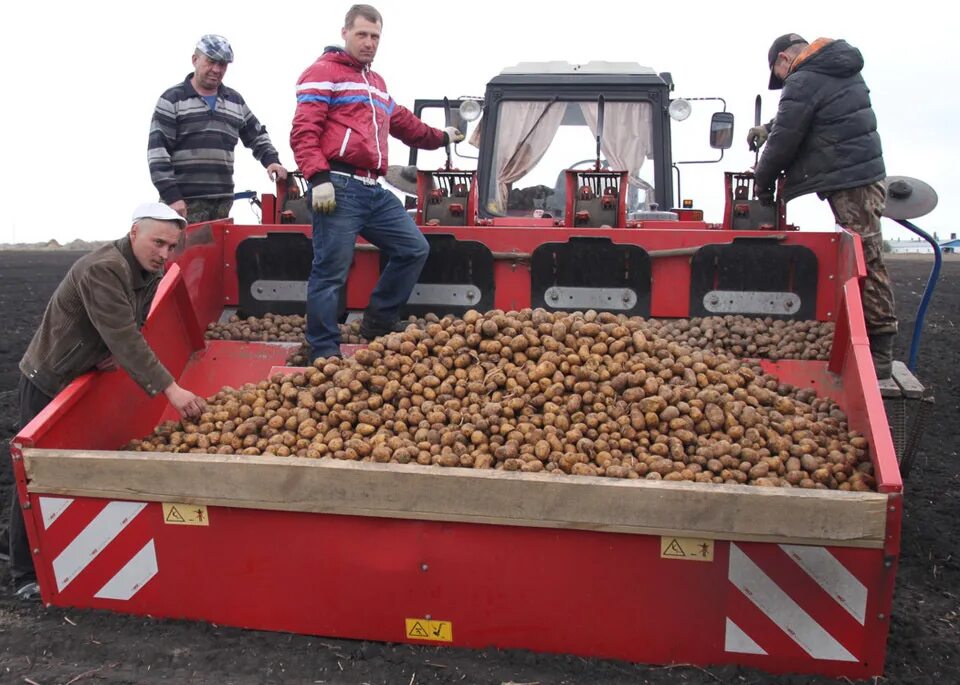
(537, 141)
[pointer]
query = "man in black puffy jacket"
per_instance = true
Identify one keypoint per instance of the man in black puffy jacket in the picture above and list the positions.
(825, 137)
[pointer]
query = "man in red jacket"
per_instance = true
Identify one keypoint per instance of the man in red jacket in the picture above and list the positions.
(339, 140)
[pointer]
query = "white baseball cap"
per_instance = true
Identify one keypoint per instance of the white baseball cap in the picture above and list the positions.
(159, 211)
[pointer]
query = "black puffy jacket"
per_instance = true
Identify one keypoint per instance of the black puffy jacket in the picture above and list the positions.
(825, 132)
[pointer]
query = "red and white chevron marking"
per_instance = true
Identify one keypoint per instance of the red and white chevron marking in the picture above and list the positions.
(794, 600)
(88, 540)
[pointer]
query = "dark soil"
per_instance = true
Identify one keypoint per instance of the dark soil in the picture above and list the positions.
(46, 646)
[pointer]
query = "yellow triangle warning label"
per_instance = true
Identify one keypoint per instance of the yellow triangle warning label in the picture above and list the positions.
(687, 549)
(428, 629)
(180, 514)
(674, 550)
(175, 516)
(416, 630)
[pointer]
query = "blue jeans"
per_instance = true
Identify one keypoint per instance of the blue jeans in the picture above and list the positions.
(376, 214)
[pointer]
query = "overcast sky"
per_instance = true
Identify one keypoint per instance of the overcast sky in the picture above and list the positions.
(82, 78)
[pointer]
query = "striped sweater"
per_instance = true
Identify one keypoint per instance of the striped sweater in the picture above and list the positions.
(190, 151)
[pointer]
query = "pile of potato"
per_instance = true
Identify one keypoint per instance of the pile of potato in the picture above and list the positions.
(736, 335)
(269, 328)
(742, 336)
(586, 394)
(292, 328)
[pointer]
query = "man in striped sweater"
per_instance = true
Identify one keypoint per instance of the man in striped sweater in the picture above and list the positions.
(195, 127)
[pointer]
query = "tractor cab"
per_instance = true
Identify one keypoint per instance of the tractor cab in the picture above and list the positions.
(560, 144)
(545, 120)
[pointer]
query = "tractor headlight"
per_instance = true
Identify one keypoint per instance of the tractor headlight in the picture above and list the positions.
(679, 110)
(470, 110)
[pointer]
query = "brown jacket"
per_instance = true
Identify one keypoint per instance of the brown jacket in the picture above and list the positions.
(97, 311)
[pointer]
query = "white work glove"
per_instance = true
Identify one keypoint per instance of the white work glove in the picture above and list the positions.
(756, 137)
(323, 198)
(453, 135)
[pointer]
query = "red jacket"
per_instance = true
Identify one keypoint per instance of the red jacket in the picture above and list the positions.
(344, 114)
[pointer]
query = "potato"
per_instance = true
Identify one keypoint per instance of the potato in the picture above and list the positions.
(591, 393)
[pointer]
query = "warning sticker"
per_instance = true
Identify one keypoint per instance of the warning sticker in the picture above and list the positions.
(688, 549)
(425, 629)
(185, 514)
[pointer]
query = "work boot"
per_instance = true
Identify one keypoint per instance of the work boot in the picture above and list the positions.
(27, 590)
(372, 328)
(881, 349)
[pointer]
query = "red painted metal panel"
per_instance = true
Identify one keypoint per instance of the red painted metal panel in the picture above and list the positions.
(761, 629)
(232, 237)
(269, 205)
(671, 275)
(807, 374)
(200, 258)
(863, 401)
(229, 363)
(851, 360)
(362, 279)
(593, 594)
(360, 283)
(807, 608)
(803, 589)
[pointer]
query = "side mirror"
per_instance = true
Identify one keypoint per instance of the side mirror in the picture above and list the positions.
(721, 130)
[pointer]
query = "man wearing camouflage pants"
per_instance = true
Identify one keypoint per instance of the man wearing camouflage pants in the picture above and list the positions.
(825, 137)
